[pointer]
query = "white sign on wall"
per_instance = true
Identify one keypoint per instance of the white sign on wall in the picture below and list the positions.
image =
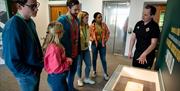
(169, 61)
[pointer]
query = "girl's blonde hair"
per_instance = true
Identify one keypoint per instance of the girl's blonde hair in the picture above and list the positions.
(51, 34)
(81, 15)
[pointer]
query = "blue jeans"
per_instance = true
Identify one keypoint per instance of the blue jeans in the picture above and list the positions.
(29, 83)
(71, 74)
(102, 52)
(57, 82)
(85, 55)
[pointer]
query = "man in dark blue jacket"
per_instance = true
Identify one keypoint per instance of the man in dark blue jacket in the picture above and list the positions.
(21, 47)
(71, 36)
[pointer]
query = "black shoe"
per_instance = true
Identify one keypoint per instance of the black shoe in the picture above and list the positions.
(75, 89)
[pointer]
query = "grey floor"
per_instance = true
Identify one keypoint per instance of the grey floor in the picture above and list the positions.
(8, 82)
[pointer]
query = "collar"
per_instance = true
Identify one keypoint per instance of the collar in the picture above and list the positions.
(148, 22)
(21, 16)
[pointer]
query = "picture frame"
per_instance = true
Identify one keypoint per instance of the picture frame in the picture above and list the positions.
(4, 16)
(3, 11)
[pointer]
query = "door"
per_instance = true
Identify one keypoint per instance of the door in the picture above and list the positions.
(56, 11)
(160, 12)
(116, 17)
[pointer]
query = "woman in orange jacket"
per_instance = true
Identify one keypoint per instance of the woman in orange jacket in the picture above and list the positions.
(99, 35)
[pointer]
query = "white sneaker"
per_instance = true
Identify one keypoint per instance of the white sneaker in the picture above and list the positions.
(106, 77)
(89, 81)
(80, 83)
(94, 74)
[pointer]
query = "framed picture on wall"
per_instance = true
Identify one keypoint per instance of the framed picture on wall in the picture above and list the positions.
(4, 16)
(7, 10)
(3, 12)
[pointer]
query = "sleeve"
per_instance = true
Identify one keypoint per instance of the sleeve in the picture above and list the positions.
(61, 19)
(64, 63)
(12, 49)
(53, 60)
(155, 32)
(107, 33)
(91, 32)
(135, 28)
(66, 60)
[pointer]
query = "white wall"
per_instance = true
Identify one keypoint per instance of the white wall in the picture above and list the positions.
(41, 19)
(91, 6)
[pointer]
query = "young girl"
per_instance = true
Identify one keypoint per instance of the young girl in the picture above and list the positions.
(85, 54)
(56, 64)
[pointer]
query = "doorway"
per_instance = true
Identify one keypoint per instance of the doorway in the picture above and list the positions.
(116, 17)
(160, 12)
(56, 11)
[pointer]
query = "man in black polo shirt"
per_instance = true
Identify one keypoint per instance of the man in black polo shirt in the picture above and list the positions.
(146, 34)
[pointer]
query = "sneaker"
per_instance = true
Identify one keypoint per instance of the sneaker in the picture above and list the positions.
(106, 77)
(89, 81)
(80, 83)
(94, 74)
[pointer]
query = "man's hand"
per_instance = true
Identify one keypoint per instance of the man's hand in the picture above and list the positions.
(142, 59)
(130, 55)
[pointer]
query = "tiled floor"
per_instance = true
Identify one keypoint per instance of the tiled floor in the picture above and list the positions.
(8, 82)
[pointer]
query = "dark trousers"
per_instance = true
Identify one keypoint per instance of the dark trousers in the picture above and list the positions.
(57, 82)
(85, 55)
(102, 52)
(29, 83)
(149, 58)
(71, 74)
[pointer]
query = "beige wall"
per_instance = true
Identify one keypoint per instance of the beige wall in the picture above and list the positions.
(42, 18)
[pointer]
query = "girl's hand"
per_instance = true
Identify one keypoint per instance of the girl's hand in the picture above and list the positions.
(69, 61)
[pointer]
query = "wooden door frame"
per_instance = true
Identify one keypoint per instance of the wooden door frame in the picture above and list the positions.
(49, 5)
(49, 8)
(155, 3)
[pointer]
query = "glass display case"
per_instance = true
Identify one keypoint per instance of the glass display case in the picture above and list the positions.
(126, 78)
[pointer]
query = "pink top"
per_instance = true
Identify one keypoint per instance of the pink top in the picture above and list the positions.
(55, 60)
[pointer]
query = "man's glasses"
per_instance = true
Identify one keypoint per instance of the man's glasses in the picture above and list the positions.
(33, 6)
